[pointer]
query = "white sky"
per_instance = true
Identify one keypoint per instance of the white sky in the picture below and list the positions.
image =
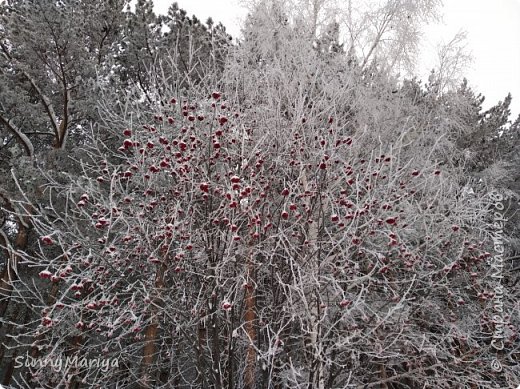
(493, 28)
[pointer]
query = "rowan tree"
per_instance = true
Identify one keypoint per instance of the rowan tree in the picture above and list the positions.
(259, 234)
(55, 60)
(293, 222)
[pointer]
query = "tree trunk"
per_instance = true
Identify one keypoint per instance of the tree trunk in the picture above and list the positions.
(250, 317)
(6, 283)
(9, 272)
(152, 330)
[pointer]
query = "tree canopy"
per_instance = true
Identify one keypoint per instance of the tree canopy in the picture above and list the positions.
(288, 210)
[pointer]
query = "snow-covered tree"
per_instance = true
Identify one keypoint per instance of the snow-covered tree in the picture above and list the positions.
(298, 220)
(286, 225)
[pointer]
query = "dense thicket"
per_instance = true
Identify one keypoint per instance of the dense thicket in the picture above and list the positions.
(283, 212)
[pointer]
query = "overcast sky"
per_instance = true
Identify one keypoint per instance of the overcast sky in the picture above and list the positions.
(493, 28)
